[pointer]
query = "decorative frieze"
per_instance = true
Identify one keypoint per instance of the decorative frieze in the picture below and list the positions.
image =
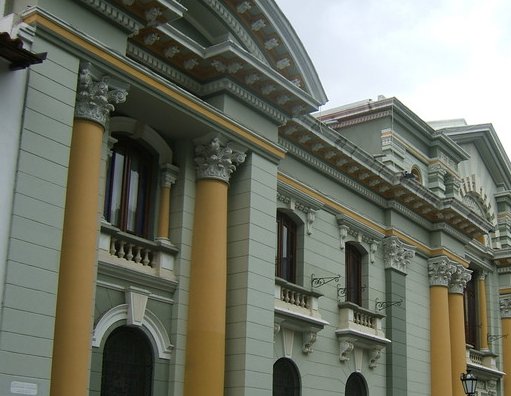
(396, 254)
(459, 278)
(215, 160)
(95, 96)
(440, 270)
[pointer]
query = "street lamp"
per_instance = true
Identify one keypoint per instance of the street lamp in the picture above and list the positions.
(469, 382)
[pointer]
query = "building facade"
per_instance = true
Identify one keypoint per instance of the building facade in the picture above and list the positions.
(180, 220)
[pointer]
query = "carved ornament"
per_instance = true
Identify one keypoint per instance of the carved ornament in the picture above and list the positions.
(396, 254)
(95, 97)
(215, 160)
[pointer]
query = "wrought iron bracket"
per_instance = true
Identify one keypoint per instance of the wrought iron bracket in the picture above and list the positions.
(342, 291)
(381, 305)
(494, 337)
(318, 282)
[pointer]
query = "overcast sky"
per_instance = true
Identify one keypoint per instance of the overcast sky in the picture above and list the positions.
(442, 58)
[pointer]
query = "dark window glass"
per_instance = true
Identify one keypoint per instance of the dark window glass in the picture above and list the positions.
(471, 325)
(285, 260)
(353, 275)
(128, 188)
(286, 379)
(355, 386)
(127, 364)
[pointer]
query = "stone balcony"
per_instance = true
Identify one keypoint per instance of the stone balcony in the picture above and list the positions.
(297, 310)
(121, 250)
(483, 364)
(360, 330)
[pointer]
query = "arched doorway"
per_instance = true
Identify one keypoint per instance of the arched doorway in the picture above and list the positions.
(356, 385)
(127, 363)
(286, 379)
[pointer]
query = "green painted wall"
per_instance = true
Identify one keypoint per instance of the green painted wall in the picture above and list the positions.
(26, 331)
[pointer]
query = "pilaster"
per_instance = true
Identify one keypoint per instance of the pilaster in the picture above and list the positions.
(168, 175)
(397, 258)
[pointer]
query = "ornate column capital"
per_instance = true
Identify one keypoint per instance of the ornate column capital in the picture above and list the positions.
(396, 254)
(216, 160)
(440, 270)
(505, 307)
(459, 278)
(94, 96)
(168, 175)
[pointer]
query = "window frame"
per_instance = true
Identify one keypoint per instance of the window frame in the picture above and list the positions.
(287, 231)
(353, 274)
(131, 152)
(470, 310)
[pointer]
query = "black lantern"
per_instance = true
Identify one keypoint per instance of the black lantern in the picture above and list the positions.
(469, 382)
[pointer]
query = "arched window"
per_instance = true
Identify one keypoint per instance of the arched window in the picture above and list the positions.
(286, 379)
(285, 260)
(127, 364)
(353, 264)
(128, 188)
(417, 173)
(356, 385)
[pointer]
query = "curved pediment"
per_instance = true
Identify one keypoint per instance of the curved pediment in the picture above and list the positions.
(246, 48)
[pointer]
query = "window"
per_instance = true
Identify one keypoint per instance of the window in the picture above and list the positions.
(471, 324)
(353, 266)
(127, 194)
(286, 379)
(417, 173)
(356, 385)
(285, 260)
(127, 363)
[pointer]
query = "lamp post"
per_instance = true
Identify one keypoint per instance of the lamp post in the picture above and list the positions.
(469, 382)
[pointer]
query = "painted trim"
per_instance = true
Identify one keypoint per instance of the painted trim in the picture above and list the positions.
(122, 65)
(151, 323)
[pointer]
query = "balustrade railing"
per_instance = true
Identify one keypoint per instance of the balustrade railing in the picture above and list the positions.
(125, 250)
(294, 297)
(296, 300)
(355, 317)
(134, 252)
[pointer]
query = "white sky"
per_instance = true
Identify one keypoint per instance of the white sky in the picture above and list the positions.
(442, 58)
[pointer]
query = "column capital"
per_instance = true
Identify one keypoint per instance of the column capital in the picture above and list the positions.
(217, 160)
(95, 96)
(168, 174)
(459, 278)
(440, 270)
(396, 254)
(505, 307)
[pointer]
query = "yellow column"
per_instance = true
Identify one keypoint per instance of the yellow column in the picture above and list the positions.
(505, 313)
(440, 270)
(458, 281)
(168, 178)
(205, 344)
(483, 314)
(77, 272)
